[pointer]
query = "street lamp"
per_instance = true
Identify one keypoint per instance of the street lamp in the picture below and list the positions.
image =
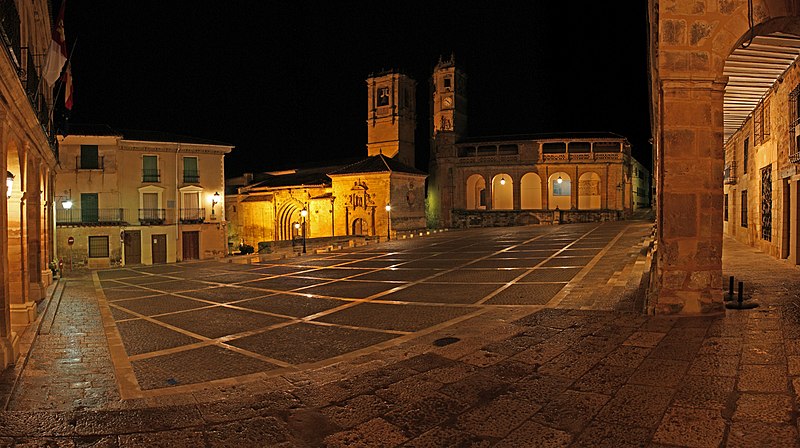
(304, 213)
(502, 181)
(559, 180)
(214, 201)
(9, 183)
(388, 222)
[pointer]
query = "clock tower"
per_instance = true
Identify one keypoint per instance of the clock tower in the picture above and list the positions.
(391, 116)
(448, 126)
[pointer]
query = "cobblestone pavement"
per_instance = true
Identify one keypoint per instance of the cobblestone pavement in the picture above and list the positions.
(509, 376)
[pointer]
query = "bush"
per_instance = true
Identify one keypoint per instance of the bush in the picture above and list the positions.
(246, 249)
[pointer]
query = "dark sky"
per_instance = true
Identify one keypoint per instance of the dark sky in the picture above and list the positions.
(284, 81)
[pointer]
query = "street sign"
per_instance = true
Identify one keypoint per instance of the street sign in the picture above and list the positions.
(70, 241)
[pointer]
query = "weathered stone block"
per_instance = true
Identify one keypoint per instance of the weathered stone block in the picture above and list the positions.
(680, 215)
(673, 32)
(699, 61)
(700, 31)
(677, 61)
(674, 279)
(685, 6)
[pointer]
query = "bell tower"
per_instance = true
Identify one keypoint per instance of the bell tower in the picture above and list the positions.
(448, 126)
(391, 116)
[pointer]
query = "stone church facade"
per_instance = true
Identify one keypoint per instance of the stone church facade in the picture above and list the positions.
(523, 179)
(380, 195)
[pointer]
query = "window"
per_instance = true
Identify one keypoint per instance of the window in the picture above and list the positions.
(554, 148)
(448, 83)
(383, 96)
(746, 154)
(761, 122)
(89, 159)
(150, 169)
(190, 173)
(98, 247)
(725, 209)
(562, 189)
(744, 209)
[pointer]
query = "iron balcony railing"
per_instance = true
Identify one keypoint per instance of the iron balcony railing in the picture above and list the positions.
(193, 215)
(794, 157)
(191, 176)
(150, 216)
(10, 24)
(91, 216)
(730, 173)
(151, 175)
(90, 163)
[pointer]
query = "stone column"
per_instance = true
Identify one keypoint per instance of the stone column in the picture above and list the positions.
(8, 341)
(489, 190)
(546, 189)
(794, 223)
(575, 194)
(33, 216)
(691, 162)
(517, 192)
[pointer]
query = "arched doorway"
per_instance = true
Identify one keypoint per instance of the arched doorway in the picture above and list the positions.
(559, 192)
(288, 216)
(589, 191)
(502, 192)
(476, 192)
(359, 227)
(530, 189)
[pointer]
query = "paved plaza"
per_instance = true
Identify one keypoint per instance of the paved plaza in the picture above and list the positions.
(512, 337)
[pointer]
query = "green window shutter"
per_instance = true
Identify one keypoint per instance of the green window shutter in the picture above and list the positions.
(89, 210)
(89, 157)
(190, 173)
(150, 169)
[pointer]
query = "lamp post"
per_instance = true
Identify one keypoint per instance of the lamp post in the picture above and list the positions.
(9, 183)
(214, 201)
(388, 222)
(304, 213)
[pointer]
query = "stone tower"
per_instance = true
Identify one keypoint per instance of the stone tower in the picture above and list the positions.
(448, 126)
(391, 116)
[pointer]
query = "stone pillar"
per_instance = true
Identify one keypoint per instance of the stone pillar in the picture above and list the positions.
(9, 344)
(489, 191)
(794, 223)
(516, 190)
(689, 256)
(575, 194)
(546, 190)
(34, 231)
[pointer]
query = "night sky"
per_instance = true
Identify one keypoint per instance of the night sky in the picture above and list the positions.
(284, 82)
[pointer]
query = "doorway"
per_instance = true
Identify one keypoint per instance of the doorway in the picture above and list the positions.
(133, 247)
(191, 245)
(359, 227)
(159, 249)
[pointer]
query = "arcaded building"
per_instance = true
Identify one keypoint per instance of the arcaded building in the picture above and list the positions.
(523, 179)
(348, 198)
(29, 160)
(138, 197)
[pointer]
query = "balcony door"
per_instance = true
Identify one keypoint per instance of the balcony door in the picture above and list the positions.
(191, 206)
(89, 210)
(150, 207)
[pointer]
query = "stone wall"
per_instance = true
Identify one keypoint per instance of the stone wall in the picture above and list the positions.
(496, 218)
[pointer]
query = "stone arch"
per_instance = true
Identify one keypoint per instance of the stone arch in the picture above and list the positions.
(476, 193)
(530, 190)
(288, 215)
(559, 194)
(589, 189)
(502, 192)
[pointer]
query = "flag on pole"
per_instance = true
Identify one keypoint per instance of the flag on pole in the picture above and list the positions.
(57, 53)
(68, 87)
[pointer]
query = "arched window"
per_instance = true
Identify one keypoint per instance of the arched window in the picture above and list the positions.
(476, 192)
(502, 192)
(530, 192)
(589, 191)
(560, 191)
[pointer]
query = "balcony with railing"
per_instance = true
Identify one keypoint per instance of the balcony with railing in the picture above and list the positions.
(193, 215)
(151, 175)
(730, 173)
(152, 216)
(90, 163)
(191, 176)
(91, 216)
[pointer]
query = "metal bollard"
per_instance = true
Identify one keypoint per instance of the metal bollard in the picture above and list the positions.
(741, 293)
(730, 289)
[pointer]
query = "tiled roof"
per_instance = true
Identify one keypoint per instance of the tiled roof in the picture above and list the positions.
(377, 164)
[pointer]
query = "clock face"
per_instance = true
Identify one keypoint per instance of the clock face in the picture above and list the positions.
(383, 96)
(447, 101)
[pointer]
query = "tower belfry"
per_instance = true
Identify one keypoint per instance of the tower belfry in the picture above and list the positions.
(448, 99)
(391, 116)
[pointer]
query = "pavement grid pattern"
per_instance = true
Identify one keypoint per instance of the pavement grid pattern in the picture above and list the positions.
(344, 349)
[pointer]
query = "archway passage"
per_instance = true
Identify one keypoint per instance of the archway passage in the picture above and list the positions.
(560, 191)
(530, 188)
(589, 191)
(709, 81)
(476, 193)
(502, 192)
(288, 216)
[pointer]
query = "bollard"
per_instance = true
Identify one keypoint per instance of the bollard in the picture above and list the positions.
(739, 304)
(730, 289)
(741, 293)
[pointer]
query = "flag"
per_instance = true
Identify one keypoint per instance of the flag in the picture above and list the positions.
(68, 87)
(57, 53)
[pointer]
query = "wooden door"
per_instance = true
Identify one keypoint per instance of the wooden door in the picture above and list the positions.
(133, 247)
(191, 245)
(159, 249)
